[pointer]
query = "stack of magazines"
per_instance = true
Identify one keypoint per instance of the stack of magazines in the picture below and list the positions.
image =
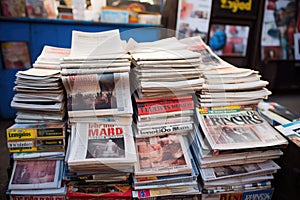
(38, 139)
(39, 97)
(163, 117)
(101, 153)
(37, 152)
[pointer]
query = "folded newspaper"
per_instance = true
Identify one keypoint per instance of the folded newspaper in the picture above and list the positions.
(98, 94)
(243, 129)
(99, 146)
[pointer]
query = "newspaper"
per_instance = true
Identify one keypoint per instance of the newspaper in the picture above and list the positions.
(236, 86)
(36, 174)
(163, 129)
(204, 155)
(89, 45)
(162, 155)
(238, 130)
(247, 194)
(216, 173)
(260, 93)
(50, 58)
(238, 181)
(100, 144)
(170, 43)
(98, 94)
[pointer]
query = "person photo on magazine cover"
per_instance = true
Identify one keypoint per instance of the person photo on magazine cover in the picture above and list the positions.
(106, 98)
(35, 173)
(237, 135)
(165, 152)
(106, 148)
(22, 175)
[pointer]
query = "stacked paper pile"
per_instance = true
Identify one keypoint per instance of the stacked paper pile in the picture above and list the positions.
(100, 161)
(39, 97)
(235, 150)
(233, 146)
(96, 78)
(39, 170)
(50, 58)
(164, 78)
(101, 152)
(37, 140)
(225, 84)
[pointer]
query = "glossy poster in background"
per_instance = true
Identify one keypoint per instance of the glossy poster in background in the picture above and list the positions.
(278, 29)
(193, 18)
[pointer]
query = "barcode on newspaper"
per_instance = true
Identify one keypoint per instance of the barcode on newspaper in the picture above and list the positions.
(208, 173)
(20, 144)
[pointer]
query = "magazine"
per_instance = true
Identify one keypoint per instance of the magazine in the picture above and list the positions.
(36, 174)
(216, 173)
(98, 94)
(79, 190)
(238, 181)
(13, 8)
(162, 155)
(291, 131)
(238, 130)
(260, 193)
(100, 145)
(38, 156)
(31, 131)
(233, 188)
(15, 55)
(189, 190)
(204, 155)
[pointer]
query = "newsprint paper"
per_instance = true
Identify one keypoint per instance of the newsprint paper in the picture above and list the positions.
(98, 94)
(238, 130)
(101, 146)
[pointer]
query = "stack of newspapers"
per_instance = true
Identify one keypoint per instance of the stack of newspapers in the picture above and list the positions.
(100, 161)
(39, 96)
(234, 150)
(164, 67)
(37, 152)
(225, 84)
(233, 146)
(101, 153)
(96, 77)
(51, 57)
(164, 78)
